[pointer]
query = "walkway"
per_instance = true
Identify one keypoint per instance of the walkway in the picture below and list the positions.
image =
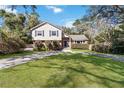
(67, 49)
(9, 62)
(114, 57)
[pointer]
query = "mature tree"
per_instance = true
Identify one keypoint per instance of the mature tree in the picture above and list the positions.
(77, 22)
(32, 7)
(67, 30)
(114, 33)
(19, 24)
(14, 22)
(100, 19)
(106, 18)
(32, 20)
(85, 26)
(78, 26)
(113, 13)
(8, 19)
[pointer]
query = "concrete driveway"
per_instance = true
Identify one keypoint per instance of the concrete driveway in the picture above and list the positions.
(13, 61)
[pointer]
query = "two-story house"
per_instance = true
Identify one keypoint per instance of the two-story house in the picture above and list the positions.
(49, 32)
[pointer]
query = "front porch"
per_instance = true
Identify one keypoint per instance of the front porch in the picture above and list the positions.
(66, 42)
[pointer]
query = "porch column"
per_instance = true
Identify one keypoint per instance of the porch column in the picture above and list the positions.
(60, 43)
(70, 42)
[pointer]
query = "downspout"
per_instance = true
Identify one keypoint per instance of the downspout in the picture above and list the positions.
(70, 42)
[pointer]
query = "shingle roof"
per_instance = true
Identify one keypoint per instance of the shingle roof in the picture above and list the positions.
(78, 37)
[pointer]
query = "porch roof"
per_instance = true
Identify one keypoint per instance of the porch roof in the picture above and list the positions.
(79, 37)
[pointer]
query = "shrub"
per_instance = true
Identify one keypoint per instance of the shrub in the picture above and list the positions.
(118, 47)
(24, 38)
(12, 45)
(39, 46)
(48, 45)
(118, 50)
(20, 42)
(27, 39)
(56, 45)
(102, 48)
(115, 49)
(35, 49)
(3, 48)
(80, 46)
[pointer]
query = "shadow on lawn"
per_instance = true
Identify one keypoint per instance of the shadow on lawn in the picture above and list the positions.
(68, 69)
(63, 80)
(117, 67)
(114, 67)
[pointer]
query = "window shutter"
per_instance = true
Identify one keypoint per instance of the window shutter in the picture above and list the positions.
(35, 33)
(50, 33)
(57, 33)
(43, 32)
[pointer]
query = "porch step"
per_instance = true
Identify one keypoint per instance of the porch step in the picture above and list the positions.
(67, 49)
(28, 49)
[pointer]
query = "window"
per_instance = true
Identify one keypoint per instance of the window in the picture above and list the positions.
(78, 42)
(39, 33)
(53, 33)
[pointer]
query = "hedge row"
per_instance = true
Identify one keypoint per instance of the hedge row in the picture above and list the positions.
(108, 49)
(118, 50)
(47, 45)
(80, 46)
(102, 48)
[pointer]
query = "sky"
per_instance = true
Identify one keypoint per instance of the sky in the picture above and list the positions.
(63, 15)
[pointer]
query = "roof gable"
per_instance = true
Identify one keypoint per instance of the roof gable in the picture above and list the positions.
(43, 23)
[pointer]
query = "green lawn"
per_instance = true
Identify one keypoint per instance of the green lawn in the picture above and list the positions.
(21, 53)
(65, 70)
(81, 50)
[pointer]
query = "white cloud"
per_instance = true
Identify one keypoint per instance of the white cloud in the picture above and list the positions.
(55, 9)
(69, 23)
(7, 8)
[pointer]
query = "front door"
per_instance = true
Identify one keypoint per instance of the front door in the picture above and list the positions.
(65, 43)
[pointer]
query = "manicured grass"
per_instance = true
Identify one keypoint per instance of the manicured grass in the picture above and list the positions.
(65, 70)
(21, 53)
(81, 50)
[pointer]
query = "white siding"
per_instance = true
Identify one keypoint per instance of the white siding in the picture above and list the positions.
(47, 28)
